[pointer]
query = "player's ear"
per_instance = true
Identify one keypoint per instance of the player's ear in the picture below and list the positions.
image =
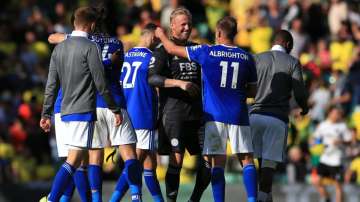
(218, 33)
(92, 27)
(288, 47)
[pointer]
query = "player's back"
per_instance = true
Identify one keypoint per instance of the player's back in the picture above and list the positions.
(277, 73)
(76, 83)
(109, 45)
(139, 95)
(226, 71)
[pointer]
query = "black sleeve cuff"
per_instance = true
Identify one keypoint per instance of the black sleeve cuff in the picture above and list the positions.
(156, 80)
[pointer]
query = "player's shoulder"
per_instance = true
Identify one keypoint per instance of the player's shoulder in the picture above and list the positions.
(106, 39)
(160, 50)
(325, 125)
(191, 43)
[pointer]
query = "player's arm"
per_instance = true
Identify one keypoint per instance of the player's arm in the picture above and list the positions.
(117, 58)
(51, 89)
(251, 86)
(156, 76)
(251, 90)
(98, 75)
(348, 175)
(170, 47)
(299, 89)
(56, 38)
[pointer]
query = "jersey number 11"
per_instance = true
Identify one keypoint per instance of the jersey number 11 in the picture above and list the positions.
(224, 65)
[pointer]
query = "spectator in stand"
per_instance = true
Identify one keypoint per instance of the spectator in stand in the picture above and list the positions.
(300, 38)
(292, 11)
(260, 36)
(166, 11)
(342, 49)
(351, 92)
(296, 169)
(318, 101)
(338, 12)
(273, 14)
(352, 150)
(323, 55)
(353, 172)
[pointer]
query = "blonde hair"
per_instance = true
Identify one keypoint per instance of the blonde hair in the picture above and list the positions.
(180, 11)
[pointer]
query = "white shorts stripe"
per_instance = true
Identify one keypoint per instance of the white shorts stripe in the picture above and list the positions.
(146, 139)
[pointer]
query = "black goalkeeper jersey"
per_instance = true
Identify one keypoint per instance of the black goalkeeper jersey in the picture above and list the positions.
(176, 104)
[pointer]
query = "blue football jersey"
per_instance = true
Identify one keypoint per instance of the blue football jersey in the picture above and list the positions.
(140, 97)
(226, 71)
(57, 105)
(108, 46)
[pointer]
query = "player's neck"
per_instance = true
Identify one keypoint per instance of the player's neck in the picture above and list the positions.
(143, 44)
(178, 41)
(226, 42)
(83, 29)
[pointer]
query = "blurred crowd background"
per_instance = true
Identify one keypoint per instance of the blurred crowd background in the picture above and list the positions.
(326, 40)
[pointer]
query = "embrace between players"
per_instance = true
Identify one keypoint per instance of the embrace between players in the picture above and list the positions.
(97, 104)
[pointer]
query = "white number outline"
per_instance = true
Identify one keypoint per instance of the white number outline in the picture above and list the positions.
(224, 68)
(128, 66)
(105, 55)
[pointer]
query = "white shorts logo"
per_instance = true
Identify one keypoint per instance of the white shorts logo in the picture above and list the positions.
(174, 142)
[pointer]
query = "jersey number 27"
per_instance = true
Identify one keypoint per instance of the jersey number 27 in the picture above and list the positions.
(126, 83)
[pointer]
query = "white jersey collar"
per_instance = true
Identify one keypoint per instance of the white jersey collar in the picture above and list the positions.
(278, 48)
(79, 33)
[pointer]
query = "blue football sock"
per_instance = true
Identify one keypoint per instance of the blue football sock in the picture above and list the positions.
(95, 181)
(68, 193)
(82, 183)
(61, 180)
(133, 171)
(250, 182)
(152, 184)
(121, 188)
(65, 198)
(218, 184)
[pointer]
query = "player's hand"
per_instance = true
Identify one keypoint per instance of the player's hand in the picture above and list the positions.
(337, 141)
(56, 38)
(45, 124)
(191, 88)
(118, 119)
(116, 58)
(159, 33)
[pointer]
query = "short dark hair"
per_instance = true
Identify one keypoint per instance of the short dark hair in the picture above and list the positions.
(85, 15)
(228, 26)
(284, 37)
(100, 27)
(150, 27)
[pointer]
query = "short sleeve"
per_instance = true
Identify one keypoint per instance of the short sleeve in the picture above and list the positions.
(197, 53)
(318, 132)
(252, 71)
